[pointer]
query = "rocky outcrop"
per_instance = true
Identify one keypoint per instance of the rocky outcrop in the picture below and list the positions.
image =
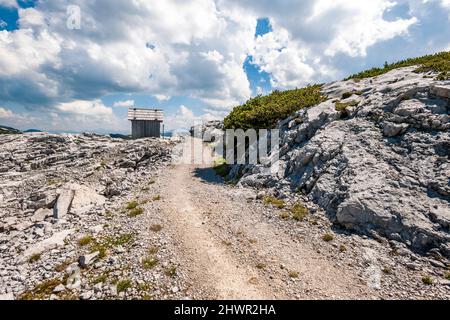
(381, 165)
(56, 189)
(208, 130)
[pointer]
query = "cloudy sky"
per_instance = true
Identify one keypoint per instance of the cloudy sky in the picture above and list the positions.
(77, 65)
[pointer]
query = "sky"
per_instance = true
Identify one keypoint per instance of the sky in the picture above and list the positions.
(78, 65)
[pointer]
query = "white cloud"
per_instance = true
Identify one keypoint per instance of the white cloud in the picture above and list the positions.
(162, 97)
(89, 108)
(3, 24)
(9, 3)
(362, 27)
(158, 48)
(5, 113)
(185, 118)
(192, 48)
(124, 104)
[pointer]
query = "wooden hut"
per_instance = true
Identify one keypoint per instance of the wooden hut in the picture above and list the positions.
(145, 123)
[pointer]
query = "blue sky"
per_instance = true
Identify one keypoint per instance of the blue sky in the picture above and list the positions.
(196, 59)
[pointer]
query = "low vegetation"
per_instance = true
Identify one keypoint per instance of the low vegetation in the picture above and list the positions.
(132, 205)
(150, 262)
(342, 106)
(135, 212)
(156, 228)
(328, 237)
(439, 63)
(261, 266)
(427, 280)
(84, 241)
(104, 245)
(34, 258)
(299, 212)
(171, 271)
(124, 285)
(293, 274)
(278, 203)
(263, 112)
(41, 291)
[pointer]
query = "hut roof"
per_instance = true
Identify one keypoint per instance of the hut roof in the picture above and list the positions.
(145, 114)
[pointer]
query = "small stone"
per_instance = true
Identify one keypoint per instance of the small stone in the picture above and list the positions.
(86, 295)
(6, 297)
(59, 288)
(175, 290)
(86, 260)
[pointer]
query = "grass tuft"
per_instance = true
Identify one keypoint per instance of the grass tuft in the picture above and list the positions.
(427, 280)
(86, 240)
(328, 237)
(34, 258)
(149, 263)
(132, 205)
(278, 203)
(299, 212)
(135, 212)
(156, 228)
(124, 285)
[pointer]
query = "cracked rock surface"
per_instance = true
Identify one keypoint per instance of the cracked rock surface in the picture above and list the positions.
(381, 165)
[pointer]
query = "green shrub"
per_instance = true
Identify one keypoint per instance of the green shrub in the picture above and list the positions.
(299, 212)
(328, 237)
(263, 112)
(439, 62)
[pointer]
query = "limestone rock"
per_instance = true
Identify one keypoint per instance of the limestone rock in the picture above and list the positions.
(41, 214)
(63, 204)
(395, 187)
(56, 240)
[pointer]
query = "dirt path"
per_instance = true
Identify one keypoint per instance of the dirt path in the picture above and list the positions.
(232, 251)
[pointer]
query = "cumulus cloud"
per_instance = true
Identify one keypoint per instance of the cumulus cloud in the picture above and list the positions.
(185, 118)
(5, 113)
(124, 104)
(92, 108)
(9, 3)
(160, 48)
(193, 49)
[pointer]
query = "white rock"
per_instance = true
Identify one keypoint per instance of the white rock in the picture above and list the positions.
(59, 288)
(86, 260)
(6, 297)
(41, 214)
(63, 204)
(55, 241)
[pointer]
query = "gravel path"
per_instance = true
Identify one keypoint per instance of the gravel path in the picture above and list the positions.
(234, 252)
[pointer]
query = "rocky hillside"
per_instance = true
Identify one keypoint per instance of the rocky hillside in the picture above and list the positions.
(375, 155)
(70, 210)
(8, 130)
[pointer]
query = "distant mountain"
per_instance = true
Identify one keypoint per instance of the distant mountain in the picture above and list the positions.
(9, 130)
(32, 131)
(120, 136)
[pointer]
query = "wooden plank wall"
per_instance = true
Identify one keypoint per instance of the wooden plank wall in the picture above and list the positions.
(145, 129)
